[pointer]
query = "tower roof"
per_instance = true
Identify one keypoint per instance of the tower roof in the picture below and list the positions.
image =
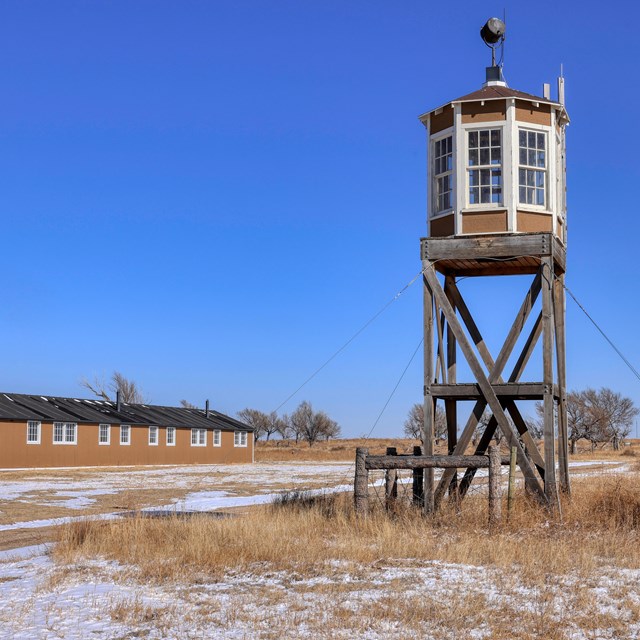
(498, 92)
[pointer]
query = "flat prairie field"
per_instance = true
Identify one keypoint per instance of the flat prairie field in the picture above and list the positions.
(275, 550)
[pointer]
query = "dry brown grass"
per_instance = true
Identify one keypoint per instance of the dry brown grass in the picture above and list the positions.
(345, 450)
(335, 450)
(599, 526)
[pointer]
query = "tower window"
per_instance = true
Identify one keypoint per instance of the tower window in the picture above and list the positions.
(532, 167)
(485, 166)
(442, 174)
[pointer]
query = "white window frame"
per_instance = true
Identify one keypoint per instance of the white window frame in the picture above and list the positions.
(153, 440)
(125, 428)
(198, 437)
(486, 126)
(435, 213)
(38, 427)
(171, 442)
(527, 167)
(108, 440)
(239, 438)
(68, 432)
(217, 438)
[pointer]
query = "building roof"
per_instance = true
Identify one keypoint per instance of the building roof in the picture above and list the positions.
(18, 406)
(499, 92)
(496, 92)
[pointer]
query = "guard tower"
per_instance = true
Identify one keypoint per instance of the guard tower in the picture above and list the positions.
(496, 207)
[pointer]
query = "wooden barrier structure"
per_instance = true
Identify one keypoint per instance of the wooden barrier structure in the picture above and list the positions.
(391, 462)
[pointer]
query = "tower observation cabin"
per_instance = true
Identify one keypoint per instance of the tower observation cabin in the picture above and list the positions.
(496, 207)
(497, 162)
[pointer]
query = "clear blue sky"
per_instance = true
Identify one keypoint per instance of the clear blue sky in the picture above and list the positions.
(211, 197)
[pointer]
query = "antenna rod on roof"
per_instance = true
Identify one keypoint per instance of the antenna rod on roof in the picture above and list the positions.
(206, 409)
(118, 400)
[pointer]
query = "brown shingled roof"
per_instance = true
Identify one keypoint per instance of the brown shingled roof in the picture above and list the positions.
(495, 92)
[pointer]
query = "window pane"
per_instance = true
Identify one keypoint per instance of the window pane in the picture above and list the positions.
(530, 178)
(530, 195)
(449, 141)
(495, 137)
(484, 156)
(523, 195)
(473, 195)
(496, 155)
(496, 176)
(541, 159)
(496, 195)
(485, 194)
(523, 138)
(541, 141)
(539, 179)
(523, 156)
(473, 178)
(473, 156)
(484, 177)
(532, 140)
(473, 139)
(484, 138)
(540, 197)
(532, 158)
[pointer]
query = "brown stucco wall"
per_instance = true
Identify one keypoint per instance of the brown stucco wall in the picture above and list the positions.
(442, 121)
(16, 453)
(477, 112)
(527, 112)
(531, 222)
(484, 222)
(444, 226)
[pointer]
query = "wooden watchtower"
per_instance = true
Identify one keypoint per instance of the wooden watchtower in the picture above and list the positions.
(496, 207)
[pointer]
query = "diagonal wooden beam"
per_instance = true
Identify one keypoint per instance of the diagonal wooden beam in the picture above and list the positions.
(440, 363)
(483, 381)
(495, 368)
(529, 442)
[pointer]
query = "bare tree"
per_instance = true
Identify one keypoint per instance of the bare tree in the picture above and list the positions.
(129, 390)
(188, 405)
(310, 425)
(601, 417)
(415, 420)
(264, 424)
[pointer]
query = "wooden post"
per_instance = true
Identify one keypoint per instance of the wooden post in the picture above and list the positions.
(391, 483)
(550, 487)
(418, 481)
(361, 483)
(451, 406)
(563, 441)
(427, 427)
(512, 480)
(495, 502)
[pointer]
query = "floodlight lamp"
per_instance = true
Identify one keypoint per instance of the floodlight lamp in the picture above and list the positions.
(493, 31)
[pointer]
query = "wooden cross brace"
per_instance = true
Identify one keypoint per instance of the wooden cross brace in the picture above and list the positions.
(511, 433)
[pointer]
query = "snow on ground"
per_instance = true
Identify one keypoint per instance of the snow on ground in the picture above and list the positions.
(261, 477)
(398, 599)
